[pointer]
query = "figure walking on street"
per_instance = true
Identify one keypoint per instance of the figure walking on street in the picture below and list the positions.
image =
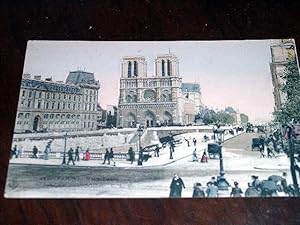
(77, 154)
(212, 190)
(156, 151)
(236, 191)
(204, 158)
(195, 141)
(131, 155)
(171, 151)
(70, 156)
(176, 187)
(198, 191)
(111, 156)
(35, 152)
(106, 157)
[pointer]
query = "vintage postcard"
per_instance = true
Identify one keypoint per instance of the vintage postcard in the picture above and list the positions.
(190, 119)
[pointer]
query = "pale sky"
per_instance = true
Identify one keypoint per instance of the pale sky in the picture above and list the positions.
(230, 73)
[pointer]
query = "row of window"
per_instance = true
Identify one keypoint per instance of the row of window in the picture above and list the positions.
(85, 124)
(59, 96)
(147, 83)
(133, 98)
(58, 116)
(58, 105)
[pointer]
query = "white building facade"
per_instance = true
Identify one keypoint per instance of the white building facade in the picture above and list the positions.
(51, 106)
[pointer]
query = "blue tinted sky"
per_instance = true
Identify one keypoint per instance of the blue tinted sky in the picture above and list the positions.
(231, 73)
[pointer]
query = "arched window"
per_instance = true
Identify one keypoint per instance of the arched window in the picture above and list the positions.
(163, 68)
(169, 68)
(129, 69)
(135, 68)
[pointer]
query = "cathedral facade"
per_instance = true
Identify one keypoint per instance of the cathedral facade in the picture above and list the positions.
(150, 100)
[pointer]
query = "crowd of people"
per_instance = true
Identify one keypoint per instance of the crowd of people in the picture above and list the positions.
(256, 188)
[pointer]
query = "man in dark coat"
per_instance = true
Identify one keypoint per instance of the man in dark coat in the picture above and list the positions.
(157, 151)
(212, 190)
(77, 153)
(176, 187)
(35, 151)
(198, 191)
(236, 191)
(131, 155)
(111, 156)
(195, 141)
(70, 156)
(106, 157)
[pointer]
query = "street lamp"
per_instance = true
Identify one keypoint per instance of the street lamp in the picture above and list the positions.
(223, 184)
(140, 159)
(65, 146)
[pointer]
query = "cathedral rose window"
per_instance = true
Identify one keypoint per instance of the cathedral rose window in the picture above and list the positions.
(149, 95)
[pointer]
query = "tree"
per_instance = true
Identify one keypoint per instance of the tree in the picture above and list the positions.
(290, 110)
(223, 118)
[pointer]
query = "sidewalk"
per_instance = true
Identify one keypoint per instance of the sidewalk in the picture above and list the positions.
(181, 151)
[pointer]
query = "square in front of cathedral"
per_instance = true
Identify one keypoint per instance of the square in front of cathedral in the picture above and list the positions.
(173, 119)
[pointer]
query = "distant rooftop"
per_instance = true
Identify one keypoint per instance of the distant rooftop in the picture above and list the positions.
(80, 77)
(190, 87)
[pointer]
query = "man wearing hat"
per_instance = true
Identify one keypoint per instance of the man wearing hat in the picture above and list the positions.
(236, 191)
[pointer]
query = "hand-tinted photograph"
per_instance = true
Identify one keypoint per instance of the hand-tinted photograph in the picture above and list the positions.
(169, 119)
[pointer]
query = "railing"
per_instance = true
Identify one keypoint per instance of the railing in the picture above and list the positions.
(59, 155)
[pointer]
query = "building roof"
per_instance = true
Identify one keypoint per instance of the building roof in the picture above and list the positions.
(49, 86)
(81, 77)
(190, 87)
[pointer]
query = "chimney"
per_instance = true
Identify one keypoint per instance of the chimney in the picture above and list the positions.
(37, 77)
(26, 76)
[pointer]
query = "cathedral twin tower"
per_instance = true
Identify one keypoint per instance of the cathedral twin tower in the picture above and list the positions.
(149, 100)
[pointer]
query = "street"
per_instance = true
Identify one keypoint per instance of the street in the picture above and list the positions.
(107, 181)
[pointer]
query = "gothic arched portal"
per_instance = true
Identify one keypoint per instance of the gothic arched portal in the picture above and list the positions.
(167, 118)
(149, 118)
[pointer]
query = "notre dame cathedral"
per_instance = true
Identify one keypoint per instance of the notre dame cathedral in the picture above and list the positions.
(156, 99)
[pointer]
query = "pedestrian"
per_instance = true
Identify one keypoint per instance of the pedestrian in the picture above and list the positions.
(194, 156)
(87, 155)
(255, 181)
(70, 156)
(205, 138)
(77, 154)
(194, 141)
(21, 152)
(171, 151)
(13, 152)
(187, 141)
(35, 152)
(131, 155)
(236, 191)
(204, 157)
(212, 190)
(172, 146)
(111, 156)
(106, 157)
(176, 187)
(213, 180)
(198, 191)
(156, 151)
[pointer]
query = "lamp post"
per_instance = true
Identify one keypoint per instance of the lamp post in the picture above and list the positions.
(140, 159)
(223, 184)
(65, 146)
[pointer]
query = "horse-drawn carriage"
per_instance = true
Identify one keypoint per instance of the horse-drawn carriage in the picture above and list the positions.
(258, 143)
(213, 150)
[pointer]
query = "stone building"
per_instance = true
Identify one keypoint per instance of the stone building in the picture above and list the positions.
(149, 100)
(190, 101)
(281, 51)
(45, 105)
